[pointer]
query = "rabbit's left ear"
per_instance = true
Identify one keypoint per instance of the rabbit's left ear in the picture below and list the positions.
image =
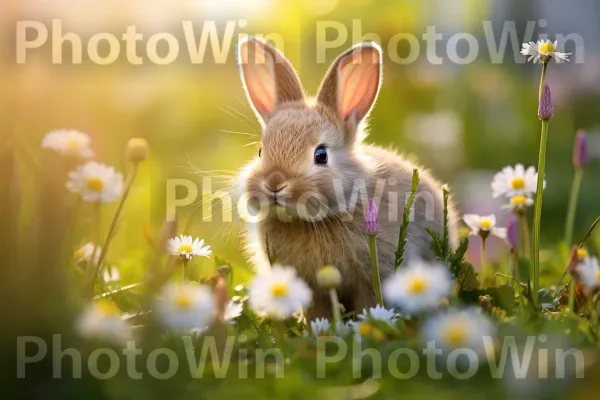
(352, 84)
(268, 77)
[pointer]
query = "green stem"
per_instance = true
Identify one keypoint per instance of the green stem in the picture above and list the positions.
(335, 305)
(573, 206)
(572, 295)
(484, 271)
(525, 232)
(113, 225)
(515, 262)
(375, 268)
(90, 264)
(184, 270)
(537, 216)
(542, 79)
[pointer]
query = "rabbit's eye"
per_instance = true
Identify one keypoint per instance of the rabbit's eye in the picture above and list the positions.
(321, 155)
(259, 151)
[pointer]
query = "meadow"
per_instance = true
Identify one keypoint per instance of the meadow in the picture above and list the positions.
(124, 272)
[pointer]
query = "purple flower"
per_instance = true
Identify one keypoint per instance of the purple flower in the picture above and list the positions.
(512, 232)
(581, 154)
(371, 218)
(546, 108)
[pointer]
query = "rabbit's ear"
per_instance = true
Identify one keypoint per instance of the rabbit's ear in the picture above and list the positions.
(352, 83)
(268, 77)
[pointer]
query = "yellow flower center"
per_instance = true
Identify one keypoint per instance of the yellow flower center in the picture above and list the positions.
(73, 144)
(518, 201)
(183, 301)
(185, 248)
(417, 285)
(79, 255)
(582, 253)
(517, 183)
(598, 275)
(279, 290)
(547, 48)
(377, 335)
(107, 308)
(485, 224)
(365, 329)
(456, 334)
(95, 184)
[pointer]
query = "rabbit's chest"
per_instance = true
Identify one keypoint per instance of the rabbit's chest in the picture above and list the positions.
(310, 246)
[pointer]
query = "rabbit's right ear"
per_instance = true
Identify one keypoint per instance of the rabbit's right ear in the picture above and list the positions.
(352, 84)
(268, 77)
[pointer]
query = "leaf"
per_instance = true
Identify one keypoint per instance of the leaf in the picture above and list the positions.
(504, 297)
(524, 269)
(406, 219)
(436, 244)
(467, 277)
(589, 232)
(505, 275)
(460, 252)
(270, 253)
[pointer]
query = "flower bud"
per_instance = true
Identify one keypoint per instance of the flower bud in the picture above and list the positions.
(224, 271)
(512, 232)
(486, 302)
(137, 149)
(329, 277)
(581, 155)
(371, 218)
(546, 108)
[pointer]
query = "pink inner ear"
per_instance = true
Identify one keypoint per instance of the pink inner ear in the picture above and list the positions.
(259, 76)
(358, 84)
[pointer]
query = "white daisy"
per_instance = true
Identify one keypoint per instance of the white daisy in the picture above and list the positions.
(518, 203)
(279, 292)
(186, 306)
(232, 311)
(379, 313)
(86, 252)
(459, 329)
(96, 182)
(187, 247)
(69, 142)
(589, 273)
(483, 225)
(320, 327)
(418, 287)
(343, 329)
(542, 50)
(102, 320)
(515, 181)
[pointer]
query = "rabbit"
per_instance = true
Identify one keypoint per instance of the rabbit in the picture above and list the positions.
(310, 183)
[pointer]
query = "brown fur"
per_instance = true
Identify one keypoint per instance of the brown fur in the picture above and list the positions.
(306, 239)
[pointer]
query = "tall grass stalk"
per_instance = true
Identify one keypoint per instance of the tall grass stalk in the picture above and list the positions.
(335, 305)
(545, 112)
(569, 226)
(525, 231)
(375, 268)
(572, 208)
(537, 215)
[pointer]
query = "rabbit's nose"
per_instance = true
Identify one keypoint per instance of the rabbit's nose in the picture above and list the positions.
(274, 189)
(274, 183)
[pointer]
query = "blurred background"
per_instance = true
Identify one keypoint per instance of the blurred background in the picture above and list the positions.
(464, 121)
